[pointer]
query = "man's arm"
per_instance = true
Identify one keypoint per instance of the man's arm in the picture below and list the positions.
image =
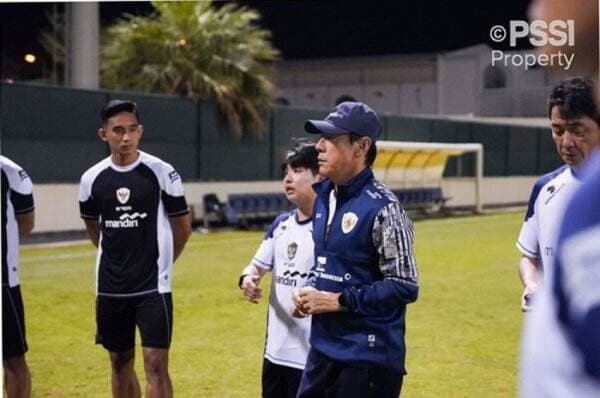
(530, 272)
(393, 237)
(26, 222)
(93, 230)
(182, 229)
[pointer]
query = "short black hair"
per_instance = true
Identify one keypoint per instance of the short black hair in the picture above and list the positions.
(344, 98)
(575, 98)
(115, 106)
(302, 154)
(371, 154)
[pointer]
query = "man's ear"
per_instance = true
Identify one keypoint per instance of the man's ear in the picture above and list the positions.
(141, 127)
(102, 134)
(364, 144)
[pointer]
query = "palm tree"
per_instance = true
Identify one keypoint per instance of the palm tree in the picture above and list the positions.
(197, 50)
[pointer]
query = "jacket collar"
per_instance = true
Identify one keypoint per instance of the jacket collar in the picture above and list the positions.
(346, 191)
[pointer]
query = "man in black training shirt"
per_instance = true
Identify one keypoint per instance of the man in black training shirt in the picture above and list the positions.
(135, 212)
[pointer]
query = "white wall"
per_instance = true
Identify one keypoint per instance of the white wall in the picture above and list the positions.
(382, 97)
(311, 96)
(494, 190)
(458, 85)
(418, 98)
(57, 206)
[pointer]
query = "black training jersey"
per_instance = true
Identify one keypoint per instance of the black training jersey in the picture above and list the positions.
(133, 204)
(17, 198)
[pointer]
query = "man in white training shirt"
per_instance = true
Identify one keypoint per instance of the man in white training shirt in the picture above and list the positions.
(575, 132)
(548, 366)
(287, 251)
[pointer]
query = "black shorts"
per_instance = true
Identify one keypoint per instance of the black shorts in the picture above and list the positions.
(279, 381)
(13, 323)
(116, 318)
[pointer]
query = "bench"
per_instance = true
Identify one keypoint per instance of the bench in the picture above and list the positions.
(421, 199)
(243, 209)
(251, 207)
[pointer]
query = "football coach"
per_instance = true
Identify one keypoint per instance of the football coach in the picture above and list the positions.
(365, 271)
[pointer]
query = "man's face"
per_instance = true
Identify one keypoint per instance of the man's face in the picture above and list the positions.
(297, 183)
(576, 138)
(122, 132)
(340, 159)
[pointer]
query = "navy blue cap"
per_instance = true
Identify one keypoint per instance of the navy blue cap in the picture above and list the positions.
(348, 118)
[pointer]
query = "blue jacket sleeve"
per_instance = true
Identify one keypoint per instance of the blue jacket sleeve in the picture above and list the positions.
(393, 237)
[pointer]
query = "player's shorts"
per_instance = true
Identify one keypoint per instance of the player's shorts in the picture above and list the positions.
(279, 381)
(14, 343)
(117, 317)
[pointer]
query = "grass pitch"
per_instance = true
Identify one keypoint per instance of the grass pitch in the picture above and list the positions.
(462, 333)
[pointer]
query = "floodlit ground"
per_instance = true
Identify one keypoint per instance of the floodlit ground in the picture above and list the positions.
(463, 333)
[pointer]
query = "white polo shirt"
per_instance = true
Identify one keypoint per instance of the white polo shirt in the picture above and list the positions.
(561, 333)
(547, 202)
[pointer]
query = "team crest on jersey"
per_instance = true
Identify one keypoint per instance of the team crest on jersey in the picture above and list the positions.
(123, 195)
(291, 250)
(349, 221)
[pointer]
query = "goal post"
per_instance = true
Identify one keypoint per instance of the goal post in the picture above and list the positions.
(421, 164)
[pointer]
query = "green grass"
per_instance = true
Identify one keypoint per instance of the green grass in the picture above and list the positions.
(462, 336)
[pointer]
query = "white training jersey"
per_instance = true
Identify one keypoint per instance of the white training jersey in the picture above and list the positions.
(547, 202)
(17, 198)
(288, 251)
(133, 204)
(561, 342)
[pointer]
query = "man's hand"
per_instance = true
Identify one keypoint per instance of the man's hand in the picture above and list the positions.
(530, 272)
(527, 298)
(298, 311)
(309, 300)
(252, 292)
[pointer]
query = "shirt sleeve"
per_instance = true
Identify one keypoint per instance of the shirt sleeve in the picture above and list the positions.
(393, 237)
(87, 205)
(21, 188)
(265, 255)
(172, 193)
(528, 243)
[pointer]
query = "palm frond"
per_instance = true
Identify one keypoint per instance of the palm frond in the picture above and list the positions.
(196, 50)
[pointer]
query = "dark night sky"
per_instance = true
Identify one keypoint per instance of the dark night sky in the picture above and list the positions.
(305, 29)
